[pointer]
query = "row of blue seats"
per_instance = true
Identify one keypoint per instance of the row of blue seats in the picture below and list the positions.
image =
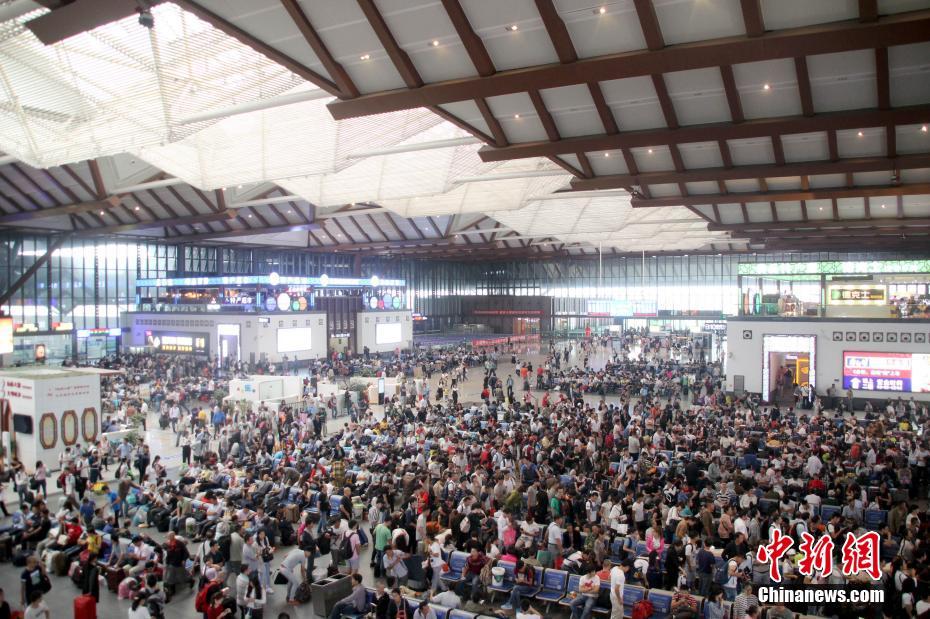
(558, 586)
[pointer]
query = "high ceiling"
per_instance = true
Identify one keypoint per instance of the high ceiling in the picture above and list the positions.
(457, 128)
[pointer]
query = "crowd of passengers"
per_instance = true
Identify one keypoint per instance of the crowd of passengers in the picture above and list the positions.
(669, 486)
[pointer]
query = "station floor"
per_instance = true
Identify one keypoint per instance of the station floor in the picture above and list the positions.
(60, 598)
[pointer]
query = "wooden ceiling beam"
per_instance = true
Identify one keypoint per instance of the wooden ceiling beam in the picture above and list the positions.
(228, 28)
(786, 196)
(752, 18)
(755, 128)
(345, 84)
(804, 85)
(474, 46)
(558, 33)
(844, 36)
(408, 72)
(806, 168)
(823, 224)
(649, 22)
(732, 93)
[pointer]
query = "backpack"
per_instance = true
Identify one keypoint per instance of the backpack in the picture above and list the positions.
(643, 609)
(722, 573)
(345, 548)
(203, 598)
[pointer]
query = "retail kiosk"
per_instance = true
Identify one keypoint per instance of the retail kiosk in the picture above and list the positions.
(44, 410)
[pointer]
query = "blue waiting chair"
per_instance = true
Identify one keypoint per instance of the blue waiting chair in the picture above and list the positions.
(456, 567)
(661, 603)
(632, 594)
(554, 583)
(507, 584)
(875, 518)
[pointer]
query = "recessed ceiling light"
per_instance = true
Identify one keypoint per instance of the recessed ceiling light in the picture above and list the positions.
(766, 87)
(924, 128)
(513, 27)
(435, 43)
(516, 116)
(821, 208)
(607, 154)
(101, 212)
(137, 208)
(238, 186)
(649, 151)
(602, 10)
(250, 217)
(883, 206)
(365, 57)
(859, 134)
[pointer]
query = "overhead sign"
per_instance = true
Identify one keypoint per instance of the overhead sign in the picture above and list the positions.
(886, 371)
(270, 280)
(834, 267)
(113, 332)
(514, 312)
(621, 308)
(180, 343)
(856, 295)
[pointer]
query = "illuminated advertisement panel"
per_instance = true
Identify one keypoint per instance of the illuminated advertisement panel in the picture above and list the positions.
(182, 343)
(886, 371)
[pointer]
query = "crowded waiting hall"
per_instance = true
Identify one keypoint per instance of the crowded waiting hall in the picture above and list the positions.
(460, 309)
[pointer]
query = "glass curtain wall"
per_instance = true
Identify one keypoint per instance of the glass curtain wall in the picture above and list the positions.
(85, 282)
(89, 282)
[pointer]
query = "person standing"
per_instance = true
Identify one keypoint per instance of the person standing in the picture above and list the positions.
(617, 583)
(41, 479)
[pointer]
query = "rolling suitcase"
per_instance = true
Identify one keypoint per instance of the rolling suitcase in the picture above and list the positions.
(85, 607)
(114, 576)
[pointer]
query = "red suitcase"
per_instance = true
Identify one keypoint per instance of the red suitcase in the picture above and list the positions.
(85, 607)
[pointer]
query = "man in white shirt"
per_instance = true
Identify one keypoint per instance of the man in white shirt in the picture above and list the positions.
(814, 466)
(589, 587)
(617, 582)
(242, 588)
(449, 599)
(554, 537)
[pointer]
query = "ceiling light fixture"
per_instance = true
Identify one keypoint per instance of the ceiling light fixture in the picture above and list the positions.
(766, 87)
(435, 43)
(101, 212)
(649, 151)
(516, 116)
(924, 128)
(859, 134)
(250, 217)
(513, 27)
(607, 154)
(137, 208)
(883, 206)
(365, 57)
(602, 10)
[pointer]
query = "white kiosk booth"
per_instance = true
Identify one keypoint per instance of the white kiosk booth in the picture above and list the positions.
(44, 410)
(271, 389)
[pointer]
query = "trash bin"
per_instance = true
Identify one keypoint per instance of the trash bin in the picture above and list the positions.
(327, 591)
(497, 576)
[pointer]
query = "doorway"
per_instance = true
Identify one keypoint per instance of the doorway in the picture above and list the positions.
(228, 336)
(787, 360)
